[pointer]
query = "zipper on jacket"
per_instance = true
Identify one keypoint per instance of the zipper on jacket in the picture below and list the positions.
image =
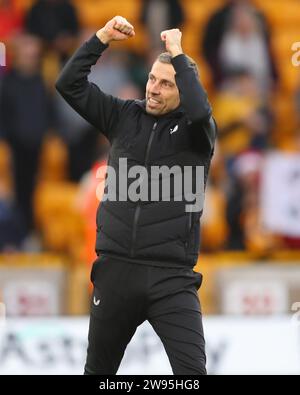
(189, 230)
(138, 207)
(150, 143)
(134, 229)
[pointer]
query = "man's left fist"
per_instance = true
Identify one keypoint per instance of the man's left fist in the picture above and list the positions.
(172, 38)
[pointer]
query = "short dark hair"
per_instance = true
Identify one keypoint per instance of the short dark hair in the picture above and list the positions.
(166, 57)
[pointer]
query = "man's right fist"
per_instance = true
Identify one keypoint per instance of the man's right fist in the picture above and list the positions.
(116, 29)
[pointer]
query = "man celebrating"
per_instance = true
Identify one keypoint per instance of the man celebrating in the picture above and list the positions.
(146, 248)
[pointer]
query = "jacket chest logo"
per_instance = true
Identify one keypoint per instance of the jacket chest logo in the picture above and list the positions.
(173, 130)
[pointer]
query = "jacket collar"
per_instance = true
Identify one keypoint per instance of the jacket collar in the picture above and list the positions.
(177, 113)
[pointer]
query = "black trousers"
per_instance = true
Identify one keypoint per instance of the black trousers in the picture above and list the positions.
(125, 295)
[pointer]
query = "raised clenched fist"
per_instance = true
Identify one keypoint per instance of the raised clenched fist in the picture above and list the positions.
(117, 29)
(172, 38)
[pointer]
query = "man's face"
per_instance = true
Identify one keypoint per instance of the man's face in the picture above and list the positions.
(162, 95)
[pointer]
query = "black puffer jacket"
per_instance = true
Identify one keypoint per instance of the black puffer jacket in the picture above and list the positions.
(146, 232)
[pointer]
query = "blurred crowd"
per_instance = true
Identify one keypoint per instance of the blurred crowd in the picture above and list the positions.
(49, 155)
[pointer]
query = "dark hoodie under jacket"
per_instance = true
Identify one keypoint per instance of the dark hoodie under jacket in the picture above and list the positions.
(157, 232)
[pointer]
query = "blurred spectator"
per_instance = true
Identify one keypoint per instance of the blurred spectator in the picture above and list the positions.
(129, 91)
(243, 118)
(214, 231)
(159, 15)
(53, 165)
(10, 19)
(56, 23)
(112, 73)
(243, 45)
(137, 68)
(280, 192)
(26, 115)
(80, 138)
(12, 229)
(243, 210)
(238, 35)
(11, 23)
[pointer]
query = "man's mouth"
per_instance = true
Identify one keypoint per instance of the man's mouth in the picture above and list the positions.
(153, 102)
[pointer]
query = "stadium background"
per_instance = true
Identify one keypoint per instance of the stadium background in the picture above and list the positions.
(49, 156)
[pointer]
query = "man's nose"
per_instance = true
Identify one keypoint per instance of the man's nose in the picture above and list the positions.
(155, 89)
